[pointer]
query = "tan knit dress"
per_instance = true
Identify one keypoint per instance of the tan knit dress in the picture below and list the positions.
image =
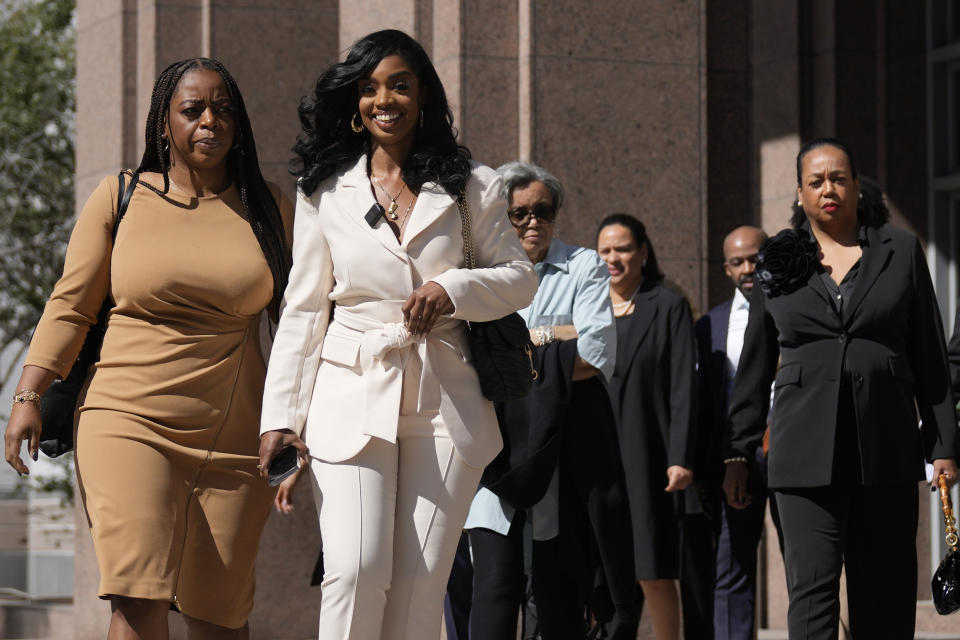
(167, 438)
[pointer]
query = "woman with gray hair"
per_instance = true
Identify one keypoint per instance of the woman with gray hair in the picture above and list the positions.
(571, 307)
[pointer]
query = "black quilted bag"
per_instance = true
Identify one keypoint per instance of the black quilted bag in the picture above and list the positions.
(58, 404)
(501, 349)
(946, 580)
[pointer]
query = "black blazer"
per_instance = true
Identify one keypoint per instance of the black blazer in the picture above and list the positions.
(889, 339)
(713, 380)
(653, 387)
(533, 427)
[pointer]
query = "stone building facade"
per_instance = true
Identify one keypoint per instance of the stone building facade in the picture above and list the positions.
(687, 113)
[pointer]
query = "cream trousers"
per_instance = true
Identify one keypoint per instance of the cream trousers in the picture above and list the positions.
(390, 519)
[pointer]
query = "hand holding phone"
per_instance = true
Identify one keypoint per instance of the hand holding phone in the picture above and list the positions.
(283, 465)
(277, 461)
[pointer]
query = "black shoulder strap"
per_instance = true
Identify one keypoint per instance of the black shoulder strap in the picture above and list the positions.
(124, 194)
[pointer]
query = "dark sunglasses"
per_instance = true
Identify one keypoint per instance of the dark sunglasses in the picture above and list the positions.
(520, 216)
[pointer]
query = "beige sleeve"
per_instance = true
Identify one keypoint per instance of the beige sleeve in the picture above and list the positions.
(81, 290)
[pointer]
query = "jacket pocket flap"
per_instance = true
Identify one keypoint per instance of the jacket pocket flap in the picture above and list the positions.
(340, 350)
(789, 374)
(900, 369)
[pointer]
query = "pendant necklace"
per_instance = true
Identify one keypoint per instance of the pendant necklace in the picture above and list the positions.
(392, 209)
(622, 308)
(406, 216)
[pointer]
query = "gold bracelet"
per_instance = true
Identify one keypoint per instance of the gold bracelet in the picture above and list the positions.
(25, 395)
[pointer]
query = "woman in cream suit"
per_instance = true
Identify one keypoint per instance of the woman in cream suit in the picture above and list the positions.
(382, 390)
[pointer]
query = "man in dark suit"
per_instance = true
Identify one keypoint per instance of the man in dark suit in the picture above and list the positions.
(719, 340)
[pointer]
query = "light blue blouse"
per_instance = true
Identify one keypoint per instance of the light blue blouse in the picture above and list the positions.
(574, 289)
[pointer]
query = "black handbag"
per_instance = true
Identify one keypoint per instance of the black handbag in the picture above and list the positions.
(946, 579)
(58, 405)
(501, 349)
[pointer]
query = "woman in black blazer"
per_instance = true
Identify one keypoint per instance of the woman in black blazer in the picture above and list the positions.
(846, 303)
(652, 391)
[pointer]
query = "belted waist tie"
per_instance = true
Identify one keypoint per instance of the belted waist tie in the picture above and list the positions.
(385, 350)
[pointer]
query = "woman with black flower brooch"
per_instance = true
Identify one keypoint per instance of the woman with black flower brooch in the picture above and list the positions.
(845, 302)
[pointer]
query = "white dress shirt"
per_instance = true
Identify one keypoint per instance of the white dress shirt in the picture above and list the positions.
(736, 328)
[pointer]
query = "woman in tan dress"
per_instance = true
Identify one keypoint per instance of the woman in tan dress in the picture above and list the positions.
(167, 438)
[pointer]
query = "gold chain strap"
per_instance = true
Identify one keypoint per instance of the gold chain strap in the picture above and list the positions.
(469, 257)
(948, 519)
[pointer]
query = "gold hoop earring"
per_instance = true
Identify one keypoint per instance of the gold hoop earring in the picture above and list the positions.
(420, 123)
(355, 125)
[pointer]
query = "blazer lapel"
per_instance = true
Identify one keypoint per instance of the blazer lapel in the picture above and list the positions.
(876, 254)
(814, 281)
(357, 198)
(432, 203)
(639, 323)
(720, 324)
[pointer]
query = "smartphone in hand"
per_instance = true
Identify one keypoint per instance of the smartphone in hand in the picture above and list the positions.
(283, 465)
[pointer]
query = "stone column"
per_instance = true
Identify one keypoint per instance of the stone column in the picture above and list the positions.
(776, 109)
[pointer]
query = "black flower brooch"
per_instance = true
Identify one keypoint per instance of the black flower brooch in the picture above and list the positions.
(785, 262)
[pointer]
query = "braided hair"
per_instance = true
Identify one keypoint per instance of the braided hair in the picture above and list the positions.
(243, 167)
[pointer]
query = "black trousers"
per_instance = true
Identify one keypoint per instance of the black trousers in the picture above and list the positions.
(456, 604)
(558, 588)
(595, 531)
(873, 530)
(735, 593)
(498, 586)
(870, 529)
(698, 561)
(595, 513)
(498, 581)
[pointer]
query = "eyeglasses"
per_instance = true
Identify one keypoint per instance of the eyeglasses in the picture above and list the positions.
(520, 216)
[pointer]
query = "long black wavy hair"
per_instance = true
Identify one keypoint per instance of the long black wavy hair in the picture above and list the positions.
(242, 166)
(651, 270)
(327, 144)
(871, 209)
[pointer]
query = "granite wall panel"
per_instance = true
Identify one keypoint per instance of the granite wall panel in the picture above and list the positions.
(489, 121)
(489, 117)
(623, 136)
(730, 154)
(657, 31)
(357, 19)
(298, 42)
(102, 75)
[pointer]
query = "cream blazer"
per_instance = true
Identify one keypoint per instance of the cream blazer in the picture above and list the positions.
(337, 382)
